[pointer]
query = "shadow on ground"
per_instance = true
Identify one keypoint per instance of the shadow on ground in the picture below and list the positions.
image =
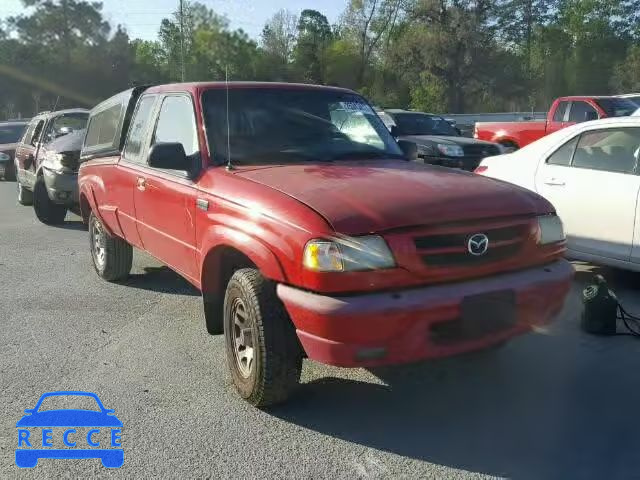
(161, 279)
(557, 405)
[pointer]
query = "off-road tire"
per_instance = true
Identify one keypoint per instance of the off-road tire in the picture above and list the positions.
(118, 254)
(25, 196)
(47, 211)
(277, 355)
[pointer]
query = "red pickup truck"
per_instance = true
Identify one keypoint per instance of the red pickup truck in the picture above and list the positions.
(564, 111)
(311, 234)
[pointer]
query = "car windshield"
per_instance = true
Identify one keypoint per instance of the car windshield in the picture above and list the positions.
(11, 133)
(423, 124)
(66, 402)
(65, 124)
(617, 107)
(268, 125)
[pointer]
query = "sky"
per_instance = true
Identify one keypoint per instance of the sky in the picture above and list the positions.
(142, 17)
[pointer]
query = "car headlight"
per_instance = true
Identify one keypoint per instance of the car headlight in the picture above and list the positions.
(451, 150)
(550, 230)
(4, 157)
(348, 254)
(62, 161)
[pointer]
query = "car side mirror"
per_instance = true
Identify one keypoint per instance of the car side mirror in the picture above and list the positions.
(394, 131)
(169, 156)
(29, 410)
(410, 149)
(590, 115)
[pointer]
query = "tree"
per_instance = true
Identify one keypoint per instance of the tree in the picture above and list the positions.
(366, 21)
(626, 77)
(314, 37)
(279, 36)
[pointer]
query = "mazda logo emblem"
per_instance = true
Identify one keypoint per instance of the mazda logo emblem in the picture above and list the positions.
(478, 244)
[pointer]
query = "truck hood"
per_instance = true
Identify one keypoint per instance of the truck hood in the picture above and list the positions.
(444, 140)
(375, 196)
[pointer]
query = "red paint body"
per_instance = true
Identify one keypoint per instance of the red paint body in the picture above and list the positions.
(269, 213)
(520, 134)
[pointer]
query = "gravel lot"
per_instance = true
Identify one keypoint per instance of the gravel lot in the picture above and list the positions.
(554, 404)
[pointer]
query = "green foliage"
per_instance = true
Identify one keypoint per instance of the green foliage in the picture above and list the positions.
(435, 55)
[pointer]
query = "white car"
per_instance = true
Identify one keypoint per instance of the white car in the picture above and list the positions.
(590, 173)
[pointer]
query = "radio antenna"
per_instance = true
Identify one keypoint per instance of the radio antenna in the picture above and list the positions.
(226, 82)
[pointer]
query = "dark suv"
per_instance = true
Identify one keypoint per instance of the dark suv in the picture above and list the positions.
(46, 163)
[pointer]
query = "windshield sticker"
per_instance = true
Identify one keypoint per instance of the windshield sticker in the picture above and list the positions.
(356, 107)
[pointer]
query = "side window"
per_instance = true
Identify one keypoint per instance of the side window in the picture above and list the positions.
(37, 131)
(28, 135)
(138, 128)
(563, 155)
(580, 110)
(558, 116)
(611, 150)
(103, 127)
(176, 124)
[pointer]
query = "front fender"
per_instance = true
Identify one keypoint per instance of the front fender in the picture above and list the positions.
(256, 250)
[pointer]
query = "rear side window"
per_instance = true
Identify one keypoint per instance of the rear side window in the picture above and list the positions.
(563, 155)
(103, 127)
(579, 111)
(134, 147)
(28, 135)
(558, 116)
(176, 124)
(612, 150)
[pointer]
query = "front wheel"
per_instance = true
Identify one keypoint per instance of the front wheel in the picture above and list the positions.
(263, 353)
(112, 257)
(47, 211)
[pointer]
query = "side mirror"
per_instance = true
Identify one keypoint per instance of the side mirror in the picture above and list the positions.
(29, 410)
(590, 115)
(170, 156)
(394, 131)
(410, 149)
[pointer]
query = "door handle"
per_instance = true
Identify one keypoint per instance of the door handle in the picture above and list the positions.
(554, 181)
(141, 184)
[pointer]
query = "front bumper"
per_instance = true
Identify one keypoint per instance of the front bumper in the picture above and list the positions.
(62, 187)
(398, 327)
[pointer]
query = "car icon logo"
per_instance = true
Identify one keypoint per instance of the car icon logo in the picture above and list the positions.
(69, 433)
(478, 244)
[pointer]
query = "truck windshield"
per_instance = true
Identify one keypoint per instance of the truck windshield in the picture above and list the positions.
(422, 124)
(11, 133)
(617, 107)
(269, 125)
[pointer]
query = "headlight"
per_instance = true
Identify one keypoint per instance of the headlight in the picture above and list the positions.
(451, 150)
(61, 161)
(348, 254)
(550, 230)
(4, 157)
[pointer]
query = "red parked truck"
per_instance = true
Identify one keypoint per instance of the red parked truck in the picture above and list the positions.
(564, 111)
(310, 238)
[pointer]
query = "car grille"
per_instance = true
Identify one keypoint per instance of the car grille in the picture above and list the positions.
(451, 250)
(480, 150)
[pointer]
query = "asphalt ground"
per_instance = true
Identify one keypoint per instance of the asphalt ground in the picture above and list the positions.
(555, 404)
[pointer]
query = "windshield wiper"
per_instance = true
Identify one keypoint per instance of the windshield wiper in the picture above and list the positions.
(365, 155)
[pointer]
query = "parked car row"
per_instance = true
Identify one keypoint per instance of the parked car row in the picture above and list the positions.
(304, 223)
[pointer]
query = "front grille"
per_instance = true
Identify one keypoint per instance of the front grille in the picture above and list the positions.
(451, 250)
(479, 150)
(465, 259)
